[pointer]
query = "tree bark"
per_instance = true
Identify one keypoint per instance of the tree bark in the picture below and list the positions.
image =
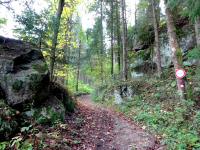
(118, 36)
(157, 43)
(176, 51)
(55, 36)
(78, 67)
(67, 47)
(112, 42)
(102, 44)
(124, 41)
(197, 30)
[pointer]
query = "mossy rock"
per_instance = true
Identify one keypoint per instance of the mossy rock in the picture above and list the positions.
(63, 95)
(8, 123)
(17, 85)
(35, 80)
(41, 68)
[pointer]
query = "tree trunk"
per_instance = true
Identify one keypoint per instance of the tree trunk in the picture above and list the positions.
(124, 41)
(102, 44)
(135, 27)
(78, 67)
(118, 36)
(197, 30)
(157, 43)
(67, 47)
(55, 36)
(112, 49)
(176, 51)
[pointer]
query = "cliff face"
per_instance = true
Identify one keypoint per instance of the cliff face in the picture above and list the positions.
(186, 39)
(186, 42)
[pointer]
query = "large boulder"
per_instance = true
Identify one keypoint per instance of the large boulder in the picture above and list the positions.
(23, 72)
(26, 93)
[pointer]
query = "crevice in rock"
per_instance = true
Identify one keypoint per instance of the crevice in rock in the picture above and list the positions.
(22, 60)
(2, 94)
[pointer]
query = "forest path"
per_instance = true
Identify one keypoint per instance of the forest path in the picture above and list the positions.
(104, 129)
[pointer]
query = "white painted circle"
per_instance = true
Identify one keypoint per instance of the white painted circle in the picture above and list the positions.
(180, 73)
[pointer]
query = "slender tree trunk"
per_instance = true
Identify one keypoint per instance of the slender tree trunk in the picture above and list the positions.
(102, 44)
(112, 48)
(118, 36)
(55, 36)
(197, 30)
(157, 43)
(67, 47)
(135, 29)
(124, 41)
(176, 51)
(78, 67)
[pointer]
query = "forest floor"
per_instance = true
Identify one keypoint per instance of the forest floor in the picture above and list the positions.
(97, 128)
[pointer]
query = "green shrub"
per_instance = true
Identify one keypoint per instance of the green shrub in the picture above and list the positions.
(194, 53)
(48, 116)
(69, 105)
(35, 79)
(196, 121)
(17, 85)
(3, 145)
(8, 123)
(41, 68)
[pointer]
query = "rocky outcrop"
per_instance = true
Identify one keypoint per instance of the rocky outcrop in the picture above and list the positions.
(144, 61)
(23, 71)
(186, 42)
(25, 88)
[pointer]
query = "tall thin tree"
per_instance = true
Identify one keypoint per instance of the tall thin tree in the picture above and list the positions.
(55, 36)
(118, 26)
(124, 40)
(102, 44)
(78, 67)
(112, 39)
(156, 33)
(176, 51)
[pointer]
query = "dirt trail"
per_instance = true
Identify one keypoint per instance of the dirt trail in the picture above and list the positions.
(108, 130)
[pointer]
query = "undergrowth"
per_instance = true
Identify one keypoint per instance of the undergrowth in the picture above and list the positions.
(157, 108)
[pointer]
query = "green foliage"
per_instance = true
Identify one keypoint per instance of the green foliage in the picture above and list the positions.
(179, 56)
(196, 121)
(193, 10)
(48, 116)
(35, 79)
(71, 82)
(170, 125)
(189, 8)
(17, 85)
(17, 143)
(194, 53)
(69, 105)
(3, 21)
(145, 34)
(41, 68)
(34, 26)
(8, 124)
(26, 129)
(83, 88)
(157, 108)
(3, 145)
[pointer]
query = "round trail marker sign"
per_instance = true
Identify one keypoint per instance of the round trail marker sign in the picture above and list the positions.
(180, 73)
